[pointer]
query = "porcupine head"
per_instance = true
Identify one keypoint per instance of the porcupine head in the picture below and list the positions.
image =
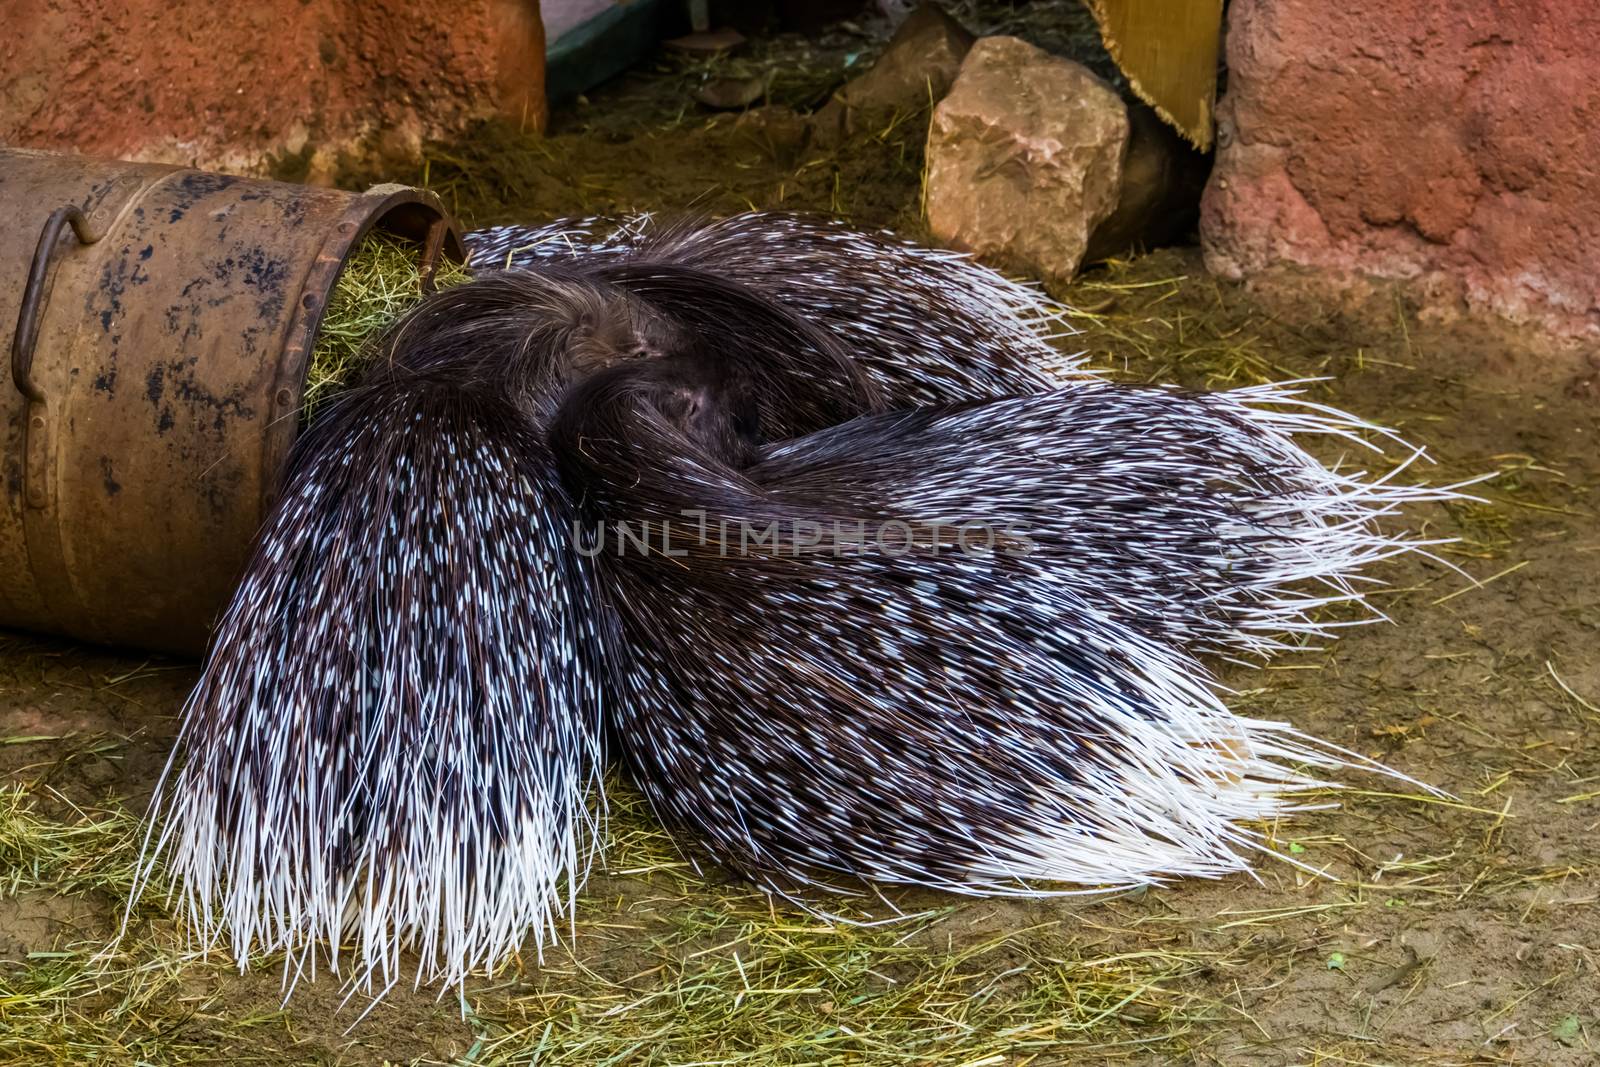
(671, 376)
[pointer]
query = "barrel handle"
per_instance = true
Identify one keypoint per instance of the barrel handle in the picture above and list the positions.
(33, 296)
(37, 450)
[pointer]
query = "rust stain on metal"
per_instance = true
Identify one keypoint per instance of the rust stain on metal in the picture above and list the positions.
(155, 390)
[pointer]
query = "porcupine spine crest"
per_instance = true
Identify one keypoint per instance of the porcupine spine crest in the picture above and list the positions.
(931, 326)
(1195, 518)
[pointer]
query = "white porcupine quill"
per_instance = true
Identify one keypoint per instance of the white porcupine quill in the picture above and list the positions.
(394, 744)
(361, 830)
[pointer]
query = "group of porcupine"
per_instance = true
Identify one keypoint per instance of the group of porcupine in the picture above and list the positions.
(819, 532)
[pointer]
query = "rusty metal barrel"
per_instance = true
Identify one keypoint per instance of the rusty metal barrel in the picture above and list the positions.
(163, 321)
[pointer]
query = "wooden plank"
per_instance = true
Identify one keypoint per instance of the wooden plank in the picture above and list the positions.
(1168, 50)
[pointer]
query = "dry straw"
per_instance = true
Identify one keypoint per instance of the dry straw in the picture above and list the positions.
(381, 281)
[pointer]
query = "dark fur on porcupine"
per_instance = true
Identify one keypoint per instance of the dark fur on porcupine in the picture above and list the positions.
(925, 325)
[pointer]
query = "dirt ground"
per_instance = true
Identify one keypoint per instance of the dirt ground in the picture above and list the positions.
(1459, 931)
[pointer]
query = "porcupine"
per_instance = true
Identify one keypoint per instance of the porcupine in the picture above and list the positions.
(397, 725)
(814, 702)
(783, 700)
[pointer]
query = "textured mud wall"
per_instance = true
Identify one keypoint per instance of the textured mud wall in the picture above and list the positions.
(1452, 145)
(295, 88)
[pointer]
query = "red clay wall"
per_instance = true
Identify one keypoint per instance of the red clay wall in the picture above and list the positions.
(1452, 144)
(299, 87)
